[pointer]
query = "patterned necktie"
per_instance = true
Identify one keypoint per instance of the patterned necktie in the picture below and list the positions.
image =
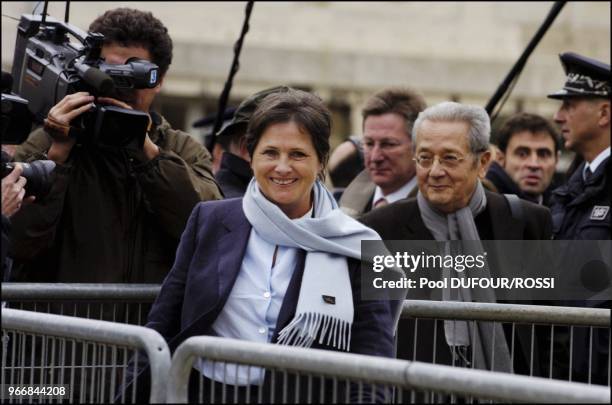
(588, 174)
(381, 202)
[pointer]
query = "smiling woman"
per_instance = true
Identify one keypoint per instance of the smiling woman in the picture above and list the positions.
(280, 265)
(288, 140)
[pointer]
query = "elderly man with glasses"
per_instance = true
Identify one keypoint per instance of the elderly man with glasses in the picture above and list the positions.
(451, 151)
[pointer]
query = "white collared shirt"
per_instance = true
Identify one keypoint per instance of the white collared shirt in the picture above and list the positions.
(398, 194)
(594, 164)
(253, 305)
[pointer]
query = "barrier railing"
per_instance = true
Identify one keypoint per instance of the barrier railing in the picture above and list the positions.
(568, 343)
(310, 375)
(124, 303)
(90, 358)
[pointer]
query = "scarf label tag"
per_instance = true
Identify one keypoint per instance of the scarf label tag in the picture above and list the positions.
(329, 299)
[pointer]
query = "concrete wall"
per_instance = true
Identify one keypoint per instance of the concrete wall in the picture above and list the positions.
(347, 50)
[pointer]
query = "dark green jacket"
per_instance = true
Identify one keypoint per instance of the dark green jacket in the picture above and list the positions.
(111, 216)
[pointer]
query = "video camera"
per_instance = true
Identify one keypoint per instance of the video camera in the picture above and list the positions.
(16, 118)
(47, 67)
(16, 126)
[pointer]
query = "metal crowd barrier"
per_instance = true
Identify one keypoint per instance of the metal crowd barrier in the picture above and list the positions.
(88, 357)
(549, 338)
(123, 303)
(302, 375)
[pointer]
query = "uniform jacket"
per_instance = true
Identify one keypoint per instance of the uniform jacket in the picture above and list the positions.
(234, 175)
(402, 221)
(111, 216)
(581, 211)
(573, 207)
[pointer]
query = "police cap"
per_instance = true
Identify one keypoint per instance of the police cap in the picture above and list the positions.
(586, 77)
(246, 109)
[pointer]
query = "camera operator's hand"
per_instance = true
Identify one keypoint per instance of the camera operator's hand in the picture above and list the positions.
(149, 148)
(58, 123)
(13, 192)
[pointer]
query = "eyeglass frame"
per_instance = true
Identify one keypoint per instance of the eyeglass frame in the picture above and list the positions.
(443, 165)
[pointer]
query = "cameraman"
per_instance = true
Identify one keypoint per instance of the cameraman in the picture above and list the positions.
(113, 215)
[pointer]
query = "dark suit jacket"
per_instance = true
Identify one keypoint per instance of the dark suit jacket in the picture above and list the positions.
(402, 221)
(207, 263)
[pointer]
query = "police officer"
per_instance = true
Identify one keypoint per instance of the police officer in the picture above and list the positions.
(581, 208)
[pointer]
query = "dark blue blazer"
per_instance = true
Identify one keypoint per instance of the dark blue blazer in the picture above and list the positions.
(207, 263)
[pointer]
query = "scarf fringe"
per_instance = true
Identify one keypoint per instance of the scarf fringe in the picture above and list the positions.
(303, 330)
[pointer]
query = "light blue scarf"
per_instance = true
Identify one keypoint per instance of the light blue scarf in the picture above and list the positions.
(328, 238)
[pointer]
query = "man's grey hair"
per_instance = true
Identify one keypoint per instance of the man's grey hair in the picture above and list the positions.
(476, 117)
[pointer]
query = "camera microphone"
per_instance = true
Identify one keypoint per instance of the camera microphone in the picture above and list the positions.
(100, 81)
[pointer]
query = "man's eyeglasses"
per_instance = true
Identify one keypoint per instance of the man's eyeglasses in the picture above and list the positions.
(448, 161)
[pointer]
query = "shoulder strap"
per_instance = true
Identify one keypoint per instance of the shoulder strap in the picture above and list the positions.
(516, 207)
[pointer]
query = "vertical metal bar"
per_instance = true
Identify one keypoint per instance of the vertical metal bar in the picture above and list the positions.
(124, 376)
(360, 390)
(347, 390)
(88, 316)
(113, 377)
(212, 392)
(248, 391)
(272, 385)
(416, 325)
(474, 351)
(32, 360)
(43, 361)
(236, 383)
(532, 348)
(136, 355)
(453, 351)
(94, 370)
(335, 390)
(493, 348)
(322, 390)
(590, 352)
(83, 372)
(285, 383)
(309, 399)
(13, 358)
(200, 387)
(571, 351)
(22, 350)
(512, 346)
(62, 362)
(139, 313)
(103, 374)
(72, 371)
(52, 368)
(298, 379)
(373, 397)
(550, 360)
(435, 341)
(224, 386)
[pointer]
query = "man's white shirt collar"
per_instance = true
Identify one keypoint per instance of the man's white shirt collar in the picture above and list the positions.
(597, 161)
(398, 194)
